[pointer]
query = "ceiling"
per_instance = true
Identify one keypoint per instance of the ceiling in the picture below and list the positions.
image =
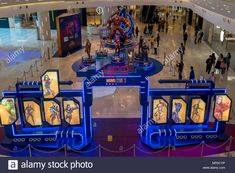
(223, 7)
(218, 12)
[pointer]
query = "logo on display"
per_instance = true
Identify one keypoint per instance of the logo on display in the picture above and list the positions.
(12, 164)
(99, 10)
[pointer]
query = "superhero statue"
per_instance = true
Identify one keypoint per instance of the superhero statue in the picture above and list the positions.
(118, 45)
(145, 50)
(88, 49)
(220, 108)
(116, 21)
(175, 114)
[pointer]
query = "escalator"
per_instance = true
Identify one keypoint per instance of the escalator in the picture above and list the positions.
(148, 13)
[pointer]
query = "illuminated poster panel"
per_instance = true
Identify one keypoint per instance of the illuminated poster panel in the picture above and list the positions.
(7, 111)
(179, 110)
(160, 111)
(68, 33)
(50, 84)
(32, 113)
(222, 107)
(71, 112)
(52, 112)
(198, 108)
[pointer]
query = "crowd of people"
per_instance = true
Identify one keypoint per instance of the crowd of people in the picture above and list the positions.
(214, 65)
(221, 65)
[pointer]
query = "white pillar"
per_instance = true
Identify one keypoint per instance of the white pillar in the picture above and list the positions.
(44, 26)
(11, 22)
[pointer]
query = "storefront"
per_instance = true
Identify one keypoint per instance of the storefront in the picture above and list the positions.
(220, 40)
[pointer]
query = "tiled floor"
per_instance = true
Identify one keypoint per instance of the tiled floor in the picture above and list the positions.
(123, 102)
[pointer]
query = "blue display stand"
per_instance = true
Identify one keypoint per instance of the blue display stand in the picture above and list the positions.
(152, 134)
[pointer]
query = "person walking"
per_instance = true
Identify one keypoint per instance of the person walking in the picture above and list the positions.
(181, 51)
(145, 30)
(137, 31)
(182, 48)
(185, 37)
(209, 64)
(213, 60)
(180, 69)
(195, 36)
(212, 77)
(151, 40)
(149, 29)
(200, 36)
(223, 65)
(218, 63)
(191, 74)
(158, 39)
(166, 26)
(184, 27)
(228, 60)
(141, 41)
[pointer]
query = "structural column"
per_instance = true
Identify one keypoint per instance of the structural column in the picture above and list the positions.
(43, 24)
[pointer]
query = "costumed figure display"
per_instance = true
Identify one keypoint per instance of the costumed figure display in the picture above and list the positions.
(116, 22)
(196, 112)
(55, 113)
(220, 108)
(175, 114)
(118, 45)
(47, 83)
(141, 41)
(88, 50)
(69, 112)
(145, 50)
(120, 24)
(159, 111)
(29, 113)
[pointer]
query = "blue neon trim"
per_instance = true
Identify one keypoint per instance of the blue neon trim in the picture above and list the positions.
(82, 144)
(170, 132)
(61, 134)
(26, 134)
(56, 134)
(67, 134)
(164, 131)
(91, 125)
(175, 132)
(215, 131)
